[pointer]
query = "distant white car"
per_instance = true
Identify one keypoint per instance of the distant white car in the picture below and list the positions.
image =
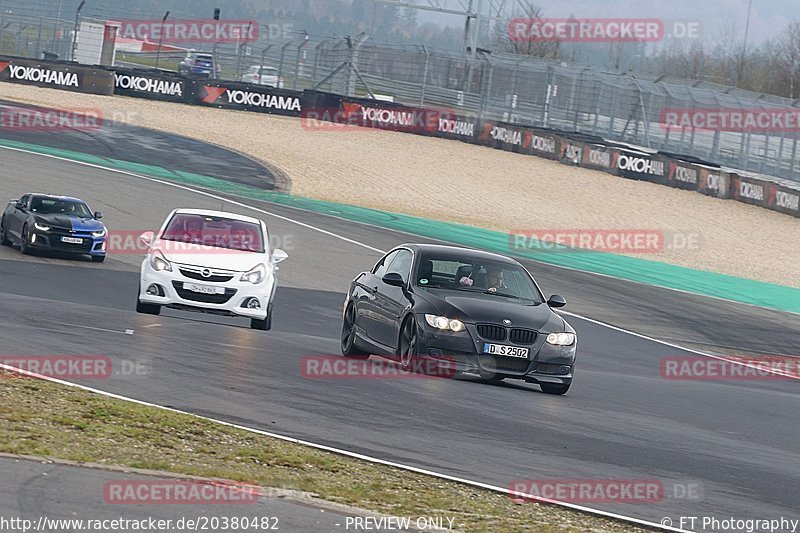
(267, 76)
(212, 262)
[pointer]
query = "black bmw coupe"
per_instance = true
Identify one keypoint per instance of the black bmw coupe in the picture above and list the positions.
(473, 311)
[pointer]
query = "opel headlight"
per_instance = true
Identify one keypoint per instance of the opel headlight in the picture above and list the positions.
(444, 323)
(561, 339)
(159, 262)
(41, 227)
(256, 275)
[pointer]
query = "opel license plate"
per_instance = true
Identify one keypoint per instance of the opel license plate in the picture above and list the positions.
(203, 289)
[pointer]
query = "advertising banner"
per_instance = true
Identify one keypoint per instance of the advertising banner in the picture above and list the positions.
(150, 84)
(713, 182)
(784, 199)
(571, 152)
(66, 76)
(750, 190)
(640, 166)
(682, 175)
(246, 97)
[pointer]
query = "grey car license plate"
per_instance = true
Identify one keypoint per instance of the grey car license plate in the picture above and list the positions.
(506, 351)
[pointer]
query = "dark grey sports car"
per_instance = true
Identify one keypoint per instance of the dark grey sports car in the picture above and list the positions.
(472, 311)
(54, 223)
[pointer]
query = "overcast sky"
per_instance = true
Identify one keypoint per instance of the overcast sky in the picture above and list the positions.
(768, 16)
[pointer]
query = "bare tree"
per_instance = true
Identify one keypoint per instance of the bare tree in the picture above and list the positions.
(789, 54)
(508, 40)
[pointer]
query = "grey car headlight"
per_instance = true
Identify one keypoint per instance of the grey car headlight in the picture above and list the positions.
(561, 339)
(41, 227)
(444, 323)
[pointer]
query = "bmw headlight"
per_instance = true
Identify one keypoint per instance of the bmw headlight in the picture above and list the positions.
(98, 234)
(444, 323)
(41, 227)
(256, 275)
(159, 262)
(561, 339)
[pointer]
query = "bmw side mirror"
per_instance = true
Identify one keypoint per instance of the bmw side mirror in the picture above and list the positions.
(279, 255)
(394, 279)
(556, 301)
(98, 215)
(146, 238)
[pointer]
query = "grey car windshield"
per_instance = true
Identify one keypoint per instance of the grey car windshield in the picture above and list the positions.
(467, 274)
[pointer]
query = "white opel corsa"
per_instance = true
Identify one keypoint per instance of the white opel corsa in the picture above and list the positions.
(212, 262)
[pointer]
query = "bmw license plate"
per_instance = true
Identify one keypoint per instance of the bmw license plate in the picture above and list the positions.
(505, 351)
(203, 289)
(72, 240)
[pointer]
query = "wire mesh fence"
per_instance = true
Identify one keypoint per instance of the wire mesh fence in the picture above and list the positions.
(519, 89)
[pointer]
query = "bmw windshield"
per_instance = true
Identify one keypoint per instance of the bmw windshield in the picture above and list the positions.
(466, 274)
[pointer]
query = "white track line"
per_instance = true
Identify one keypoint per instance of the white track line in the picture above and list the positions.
(677, 346)
(357, 243)
(347, 453)
(196, 191)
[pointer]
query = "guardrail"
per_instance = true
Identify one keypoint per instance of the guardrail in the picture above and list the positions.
(318, 107)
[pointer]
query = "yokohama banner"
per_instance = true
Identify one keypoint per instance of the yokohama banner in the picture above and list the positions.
(66, 76)
(519, 139)
(713, 182)
(682, 175)
(784, 199)
(750, 190)
(640, 166)
(368, 113)
(246, 97)
(599, 157)
(150, 84)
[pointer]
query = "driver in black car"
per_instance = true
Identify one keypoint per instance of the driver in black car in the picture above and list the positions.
(494, 280)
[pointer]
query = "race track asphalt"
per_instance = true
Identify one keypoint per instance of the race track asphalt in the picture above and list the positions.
(737, 440)
(57, 493)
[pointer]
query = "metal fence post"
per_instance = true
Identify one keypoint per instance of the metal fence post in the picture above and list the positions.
(39, 38)
(300, 51)
(19, 38)
(283, 55)
(424, 77)
(486, 86)
(548, 96)
(2, 30)
(512, 95)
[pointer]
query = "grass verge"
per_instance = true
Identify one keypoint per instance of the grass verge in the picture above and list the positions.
(46, 419)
